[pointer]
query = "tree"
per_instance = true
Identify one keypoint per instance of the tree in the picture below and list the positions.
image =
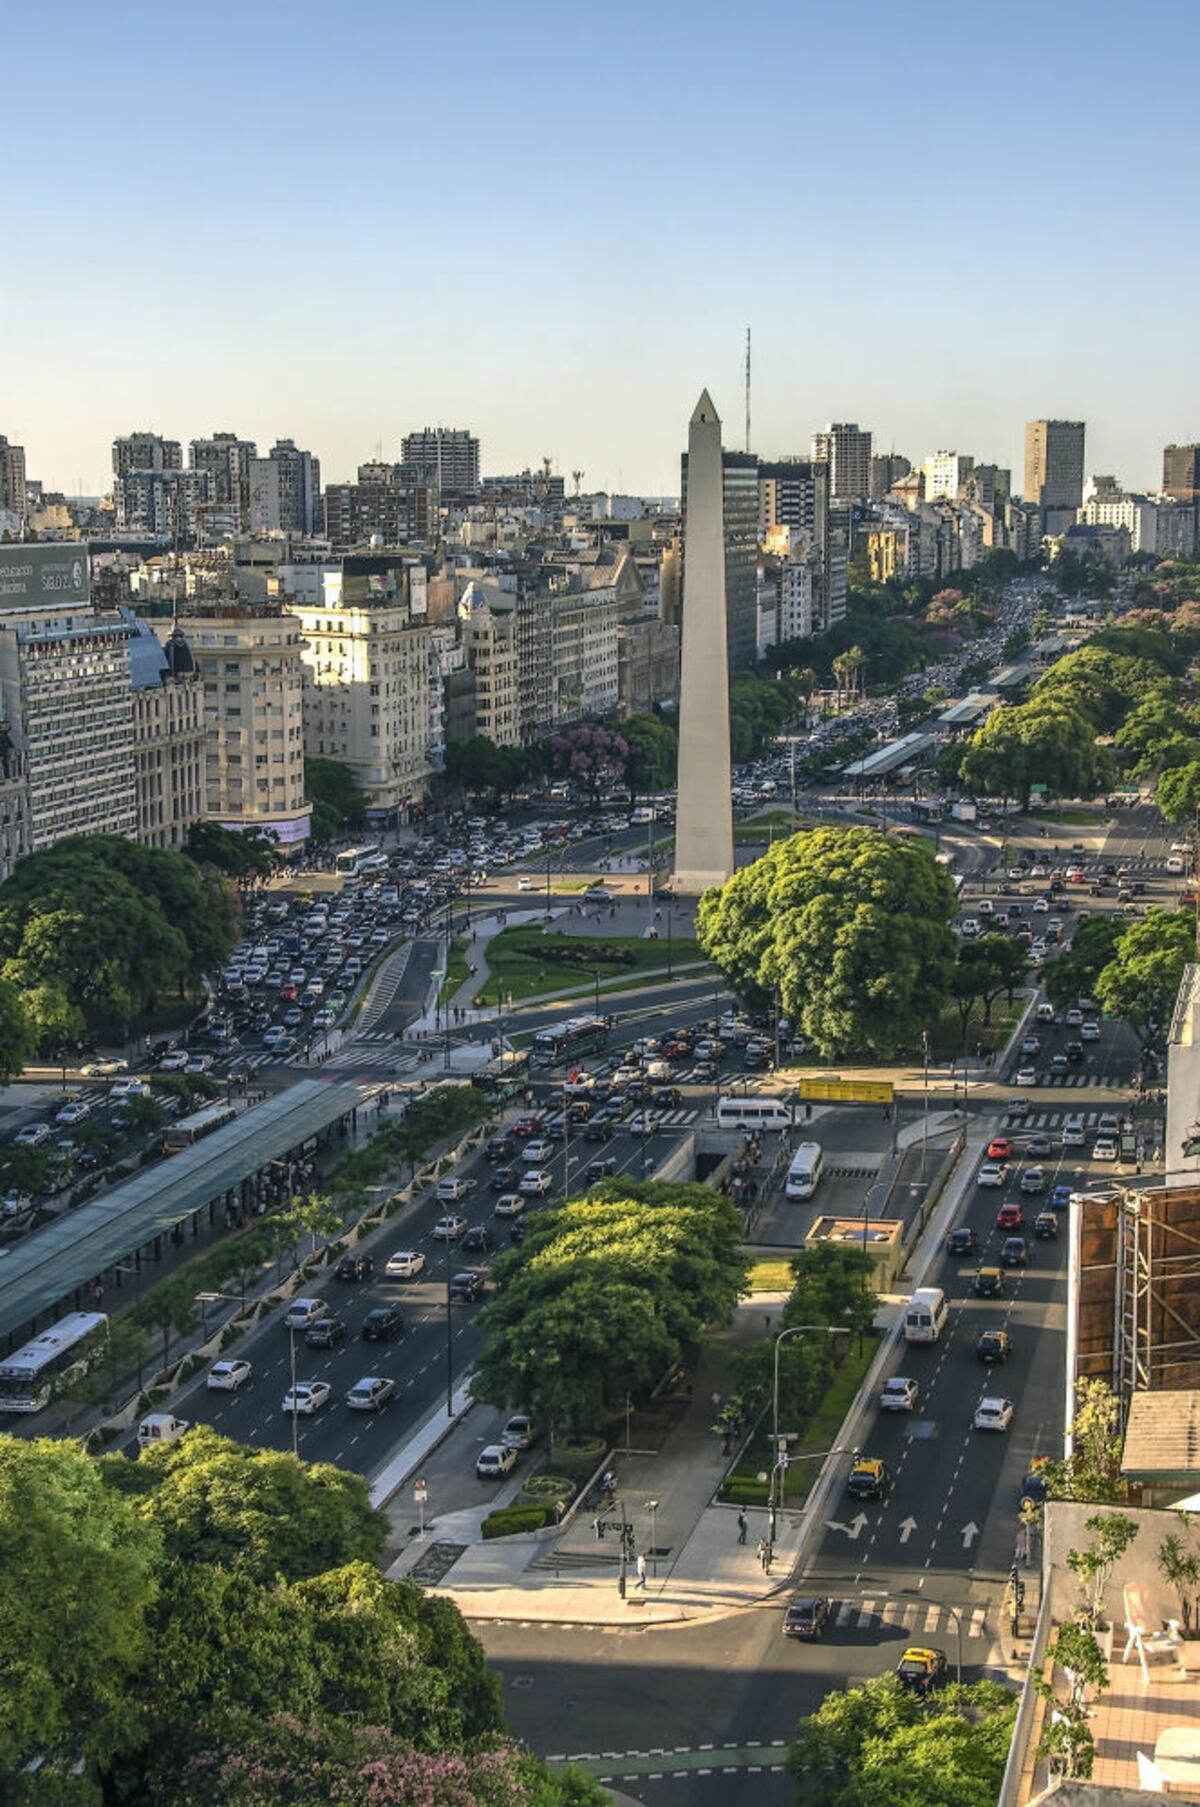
(1045, 741)
(878, 1745)
(170, 1309)
(834, 1285)
(653, 751)
(1178, 793)
(256, 1512)
(332, 785)
(589, 754)
(1066, 1737)
(1149, 729)
(1072, 975)
(315, 1215)
(78, 1576)
(17, 1036)
(1092, 1471)
(1141, 981)
(55, 1023)
(1016, 643)
(1112, 1534)
(850, 926)
(988, 967)
(251, 854)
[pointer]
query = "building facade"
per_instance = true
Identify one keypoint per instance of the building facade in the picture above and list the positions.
(13, 497)
(142, 451)
(945, 475)
(168, 736)
(285, 491)
(384, 503)
(226, 459)
(447, 457)
(164, 505)
(1054, 452)
(846, 448)
(489, 639)
(887, 468)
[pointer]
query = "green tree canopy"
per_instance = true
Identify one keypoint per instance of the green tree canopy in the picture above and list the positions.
(251, 854)
(1178, 792)
(332, 785)
(1141, 980)
(653, 749)
(850, 925)
(1046, 741)
(1072, 975)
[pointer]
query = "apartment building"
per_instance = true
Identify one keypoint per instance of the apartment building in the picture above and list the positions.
(386, 503)
(226, 459)
(285, 491)
(945, 475)
(13, 493)
(168, 735)
(447, 457)
(144, 451)
(846, 448)
(1054, 465)
(163, 504)
(249, 658)
(489, 639)
(741, 506)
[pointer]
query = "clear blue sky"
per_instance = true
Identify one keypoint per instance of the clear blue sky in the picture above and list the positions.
(553, 223)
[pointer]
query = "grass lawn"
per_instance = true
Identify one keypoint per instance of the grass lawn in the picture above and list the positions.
(517, 962)
(458, 970)
(1071, 818)
(771, 1277)
(743, 1488)
(946, 1036)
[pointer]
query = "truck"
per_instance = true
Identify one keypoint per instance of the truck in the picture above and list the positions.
(964, 810)
(925, 1315)
(160, 1427)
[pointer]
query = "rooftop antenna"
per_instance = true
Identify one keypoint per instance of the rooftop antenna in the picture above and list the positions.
(747, 388)
(578, 476)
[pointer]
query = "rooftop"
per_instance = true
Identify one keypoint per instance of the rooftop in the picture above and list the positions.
(891, 757)
(1162, 1436)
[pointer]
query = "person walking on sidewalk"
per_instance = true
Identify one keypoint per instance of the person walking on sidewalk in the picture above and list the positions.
(641, 1572)
(742, 1527)
(761, 1552)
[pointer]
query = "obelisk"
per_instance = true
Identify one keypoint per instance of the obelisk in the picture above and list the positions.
(704, 812)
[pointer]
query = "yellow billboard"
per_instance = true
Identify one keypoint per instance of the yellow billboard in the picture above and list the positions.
(847, 1091)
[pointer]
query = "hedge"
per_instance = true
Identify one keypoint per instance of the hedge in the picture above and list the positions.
(511, 1519)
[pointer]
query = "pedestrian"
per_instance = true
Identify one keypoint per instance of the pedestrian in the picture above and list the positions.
(761, 1552)
(641, 1571)
(743, 1527)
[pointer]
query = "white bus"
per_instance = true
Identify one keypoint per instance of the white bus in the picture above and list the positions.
(804, 1174)
(925, 1315)
(27, 1376)
(751, 1112)
(359, 859)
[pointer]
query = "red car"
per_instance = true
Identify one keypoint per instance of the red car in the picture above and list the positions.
(1010, 1217)
(1000, 1149)
(528, 1126)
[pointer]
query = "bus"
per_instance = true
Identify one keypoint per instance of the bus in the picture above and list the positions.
(194, 1128)
(577, 1036)
(359, 859)
(749, 1111)
(28, 1376)
(804, 1174)
(505, 1076)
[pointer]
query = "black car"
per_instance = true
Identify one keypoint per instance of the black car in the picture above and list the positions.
(383, 1325)
(1014, 1251)
(668, 1097)
(806, 1616)
(962, 1241)
(992, 1346)
(516, 1231)
(599, 1129)
(354, 1267)
(499, 1148)
(465, 1288)
(1045, 1226)
(326, 1333)
(478, 1240)
(504, 1179)
(601, 1168)
(1074, 1050)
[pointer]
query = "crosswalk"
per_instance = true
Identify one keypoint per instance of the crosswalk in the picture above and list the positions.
(917, 1616)
(1077, 1080)
(1056, 1119)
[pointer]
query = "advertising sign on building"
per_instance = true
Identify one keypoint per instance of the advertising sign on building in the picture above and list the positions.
(45, 574)
(418, 592)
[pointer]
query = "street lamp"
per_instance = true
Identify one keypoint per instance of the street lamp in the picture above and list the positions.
(910, 1593)
(652, 1509)
(780, 1340)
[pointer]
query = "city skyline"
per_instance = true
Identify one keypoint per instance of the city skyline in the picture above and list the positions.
(291, 282)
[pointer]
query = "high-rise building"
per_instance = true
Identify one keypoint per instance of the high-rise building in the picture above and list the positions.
(226, 458)
(386, 502)
(1181, 472)
(846, 448)
(794, 493)
(1054, 463)
(741, 509)
(945, 474)
(887, 468)
(162, 504)
(704, 818)
(448, 457)
(13, 499)
(285, 491)
(142, 451)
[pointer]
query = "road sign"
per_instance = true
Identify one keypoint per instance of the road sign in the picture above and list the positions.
(847, 1091)
(420, 1492)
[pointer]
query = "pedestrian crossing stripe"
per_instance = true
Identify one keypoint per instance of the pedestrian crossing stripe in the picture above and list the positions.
(916, 1616)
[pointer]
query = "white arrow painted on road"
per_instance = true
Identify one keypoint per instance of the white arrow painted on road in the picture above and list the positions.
(970, 1532)
(907, 1527)
(853, 1529)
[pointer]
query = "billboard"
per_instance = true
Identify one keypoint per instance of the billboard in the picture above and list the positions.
(847, 1091)
(34, 576)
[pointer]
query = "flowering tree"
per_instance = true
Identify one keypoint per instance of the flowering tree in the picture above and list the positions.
(589, 754)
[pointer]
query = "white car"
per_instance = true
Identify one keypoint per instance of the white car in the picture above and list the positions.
(102, 1069)
(1074, 1018)
(1041, 906)
(73, 1113)
(537, 1151)
(451, 1189)
(1104, 1148)
(371, 1394)
(495, 1461)
(303, 1312)
(1090, 1032)
(1026, 1076)
(990, 1174)
(32, 1135)
(1073, 1133)
(524, 884)
(405, 1264)
(227, 1377)
(1108, 1124)
(535, 1182)
(519, 1432)
(174, 1062)
(306, 1397)
(899, 1395)
(993, 1414)
(643, 1123)
(449, 1228)
(129, 1088)
(509, 1204)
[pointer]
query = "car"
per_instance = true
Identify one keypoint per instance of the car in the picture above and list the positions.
(1074, 1051)
(465, 1288)
(1059, 1063)
(1031, 1045)
(1034, 1485)
(451, 1189)
(74, 1112)
(478, 1240)
(899, 1395)
(449, 1228)
(1026, 1076)
(1000, 1149)
(303, 1312)
(601, 1168)
(1073, 1133)
(495, 1460)
(1104, 1148)
(535, 1183)
(1045, 1226)
(102, 1069)
(174, 1061)
(528, 1125)
(988, 1283)
(537, 1150)
(1014, 1252)
(520, 1432)
(869, 1479)
(992, 1414)
(962, 1241)
(228, 1376)
(990, 1175)
(993, 1347)
(1041, 908)
(1060, 1198)
(1033, 1181)
(1090, 1032)
(921, 1668)
(354, 1267)
(371, 1394)
(1074, 1017)
(382, 1325)
(1010, 1216)
(502, 1179)
(1039, 1144)
(499, 1148)
(1017, 1107)
(806, 1616)
(405, 1264)
(509, 1204)
(306, 1397)
(326, 1333)
(32, 1136)
(1108, 1124)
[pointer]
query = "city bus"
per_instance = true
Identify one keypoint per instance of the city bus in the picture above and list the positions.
(28, 1375)
(359, 859)
(194, 1128)
(567, 1041)
(505, 1075)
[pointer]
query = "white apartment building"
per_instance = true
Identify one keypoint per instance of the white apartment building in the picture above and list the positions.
(1154, 524)
(945, 474)
(168, 736)
(583, 652)
(250, 662)
(489, 638)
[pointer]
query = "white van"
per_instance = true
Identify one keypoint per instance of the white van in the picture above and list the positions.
(160, 1427)
(804, 1174)
(1175, 863)
(925, 1315)
(1045, 1012)
(753, 1113)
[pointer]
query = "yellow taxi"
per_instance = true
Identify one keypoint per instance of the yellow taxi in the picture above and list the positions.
(869, 1479)
(921, 1668)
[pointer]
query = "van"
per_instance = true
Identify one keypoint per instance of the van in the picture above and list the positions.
(1045, 1013)
(925, 1315)
(1175, 863)
(804, 1174)
(749, 1111)
(160, 1427)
